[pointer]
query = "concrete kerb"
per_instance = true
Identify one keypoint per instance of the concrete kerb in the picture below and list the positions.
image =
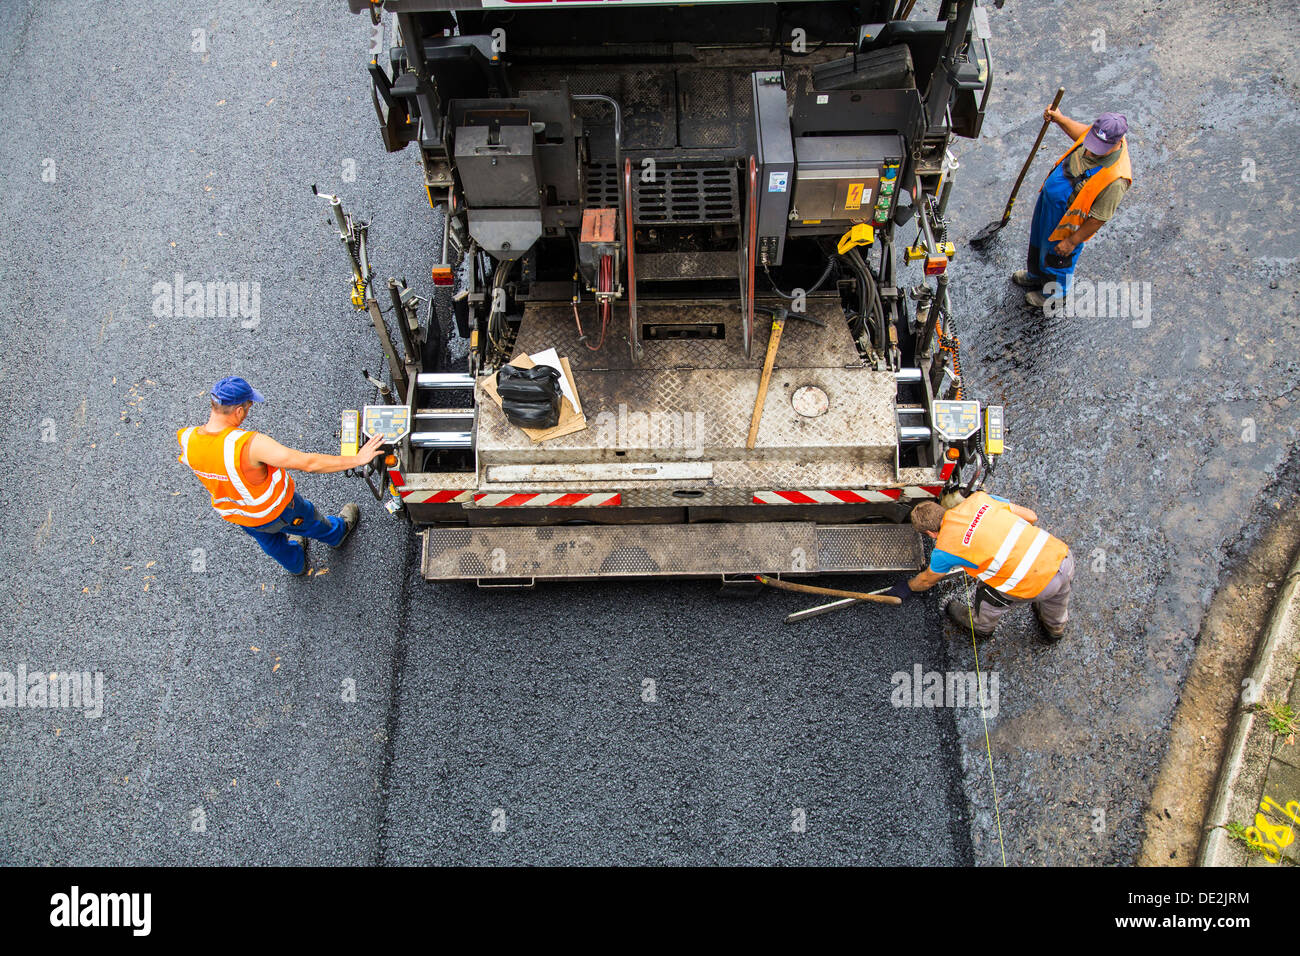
(1250, 748)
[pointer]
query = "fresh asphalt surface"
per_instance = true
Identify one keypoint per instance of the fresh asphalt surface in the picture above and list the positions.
(225, 686)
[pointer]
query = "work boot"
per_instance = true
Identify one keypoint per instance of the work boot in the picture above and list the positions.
(960, 614)
(1051, 305)
(1025, 280)
(350, 514)
(1050, 634)
(302, 543)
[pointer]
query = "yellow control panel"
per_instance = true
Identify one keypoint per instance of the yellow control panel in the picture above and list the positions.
(348, 432)
(993, 430)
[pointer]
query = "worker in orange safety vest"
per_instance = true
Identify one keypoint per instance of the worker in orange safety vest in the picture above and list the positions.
(1080, 194)
(248, 477)
(995, 542)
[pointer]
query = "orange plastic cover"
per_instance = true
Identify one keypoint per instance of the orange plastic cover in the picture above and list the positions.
(599, 225)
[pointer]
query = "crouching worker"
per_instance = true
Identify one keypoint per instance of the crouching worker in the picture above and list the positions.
(247, 475)
(995, 542)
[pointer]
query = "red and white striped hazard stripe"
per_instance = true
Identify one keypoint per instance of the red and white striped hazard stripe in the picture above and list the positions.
(426, 496)
(431, 497)
(597, 499)
(842, 496)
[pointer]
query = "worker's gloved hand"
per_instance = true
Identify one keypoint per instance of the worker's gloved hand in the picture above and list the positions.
(902, 590)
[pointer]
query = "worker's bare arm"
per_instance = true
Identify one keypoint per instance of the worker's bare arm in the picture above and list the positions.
(925, 580)
(265, 450)
(1072, 128)
(1079, 236)
(1028, 514)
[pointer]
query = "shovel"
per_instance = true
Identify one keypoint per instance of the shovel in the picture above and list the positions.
(981, 238)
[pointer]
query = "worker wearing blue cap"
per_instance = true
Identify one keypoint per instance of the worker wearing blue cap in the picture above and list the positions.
(248, 476)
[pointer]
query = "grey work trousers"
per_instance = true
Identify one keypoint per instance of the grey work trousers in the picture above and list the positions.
(1053, 601)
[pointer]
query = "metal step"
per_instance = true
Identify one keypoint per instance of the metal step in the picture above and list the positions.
(444, 428)
(567, 552)
(445, 440)
(658, 266)
(443, 380)
(441, 419)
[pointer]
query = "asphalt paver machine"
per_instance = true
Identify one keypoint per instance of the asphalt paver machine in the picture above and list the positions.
(728, 221)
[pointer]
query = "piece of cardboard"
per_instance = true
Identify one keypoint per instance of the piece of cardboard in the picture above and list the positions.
(571, 417)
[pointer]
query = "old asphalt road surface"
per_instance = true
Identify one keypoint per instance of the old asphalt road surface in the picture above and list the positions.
(594, 723)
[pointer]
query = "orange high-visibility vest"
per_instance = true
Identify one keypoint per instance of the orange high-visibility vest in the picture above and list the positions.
(1008, 552)
(216, 460)
(1082, 204)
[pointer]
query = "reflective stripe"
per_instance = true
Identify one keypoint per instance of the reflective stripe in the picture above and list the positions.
(276, 475)
(1004, 552)
(185, 445)
(264, 512)
(1026, 563)
(232, 468)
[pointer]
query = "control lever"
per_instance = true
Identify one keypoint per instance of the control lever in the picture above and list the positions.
(385, 392)
(352, 234)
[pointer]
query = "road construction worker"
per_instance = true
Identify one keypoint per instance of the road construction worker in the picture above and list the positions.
(247, 474)
(995, 542)
(1081, 192)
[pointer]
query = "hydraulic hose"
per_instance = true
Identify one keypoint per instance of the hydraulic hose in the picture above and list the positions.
(870, 303)
(830, 264)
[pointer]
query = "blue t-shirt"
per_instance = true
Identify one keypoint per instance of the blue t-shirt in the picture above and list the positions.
(942, 562)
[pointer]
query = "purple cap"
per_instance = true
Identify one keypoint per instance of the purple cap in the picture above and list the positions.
(235, 391)
(1105, 133)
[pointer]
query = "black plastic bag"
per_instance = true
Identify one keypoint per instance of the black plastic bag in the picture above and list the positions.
(530, 397)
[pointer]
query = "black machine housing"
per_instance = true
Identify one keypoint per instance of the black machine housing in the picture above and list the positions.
(798, 119)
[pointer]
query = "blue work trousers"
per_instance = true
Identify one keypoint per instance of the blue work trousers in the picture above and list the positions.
(1044, 264)
(298, 518)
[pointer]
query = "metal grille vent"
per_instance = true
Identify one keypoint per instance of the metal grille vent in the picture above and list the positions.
(687, 196)
(882, 547)
(602, 186)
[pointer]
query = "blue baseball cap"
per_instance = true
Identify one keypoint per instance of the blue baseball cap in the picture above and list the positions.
(1105, 134)
(235, 391)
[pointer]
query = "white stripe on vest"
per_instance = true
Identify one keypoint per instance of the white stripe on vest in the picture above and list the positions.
(232, 467)
(1026, 563)
(1004, 552)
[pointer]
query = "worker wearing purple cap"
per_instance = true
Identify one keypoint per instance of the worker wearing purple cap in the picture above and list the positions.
(1081, 192)
(247, 475)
